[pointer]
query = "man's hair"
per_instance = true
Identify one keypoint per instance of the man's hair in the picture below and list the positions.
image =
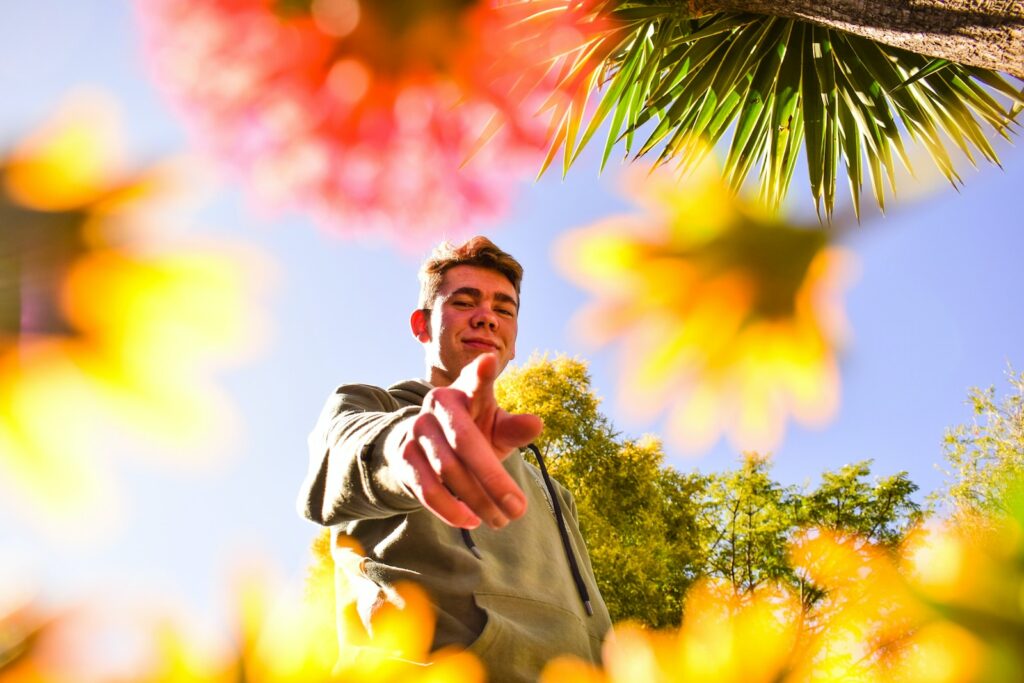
(477, 251)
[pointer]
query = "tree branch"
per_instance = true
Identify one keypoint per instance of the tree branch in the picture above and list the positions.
(982, 33)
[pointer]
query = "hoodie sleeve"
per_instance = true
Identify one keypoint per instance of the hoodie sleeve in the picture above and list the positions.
(347, 478)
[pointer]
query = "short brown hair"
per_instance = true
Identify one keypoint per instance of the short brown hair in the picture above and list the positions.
(477, 251)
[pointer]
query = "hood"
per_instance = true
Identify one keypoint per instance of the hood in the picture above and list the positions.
(410, 391)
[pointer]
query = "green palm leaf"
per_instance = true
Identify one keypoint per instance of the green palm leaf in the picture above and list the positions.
(678, 85)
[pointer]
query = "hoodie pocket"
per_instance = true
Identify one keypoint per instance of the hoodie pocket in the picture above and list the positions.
(521, 635)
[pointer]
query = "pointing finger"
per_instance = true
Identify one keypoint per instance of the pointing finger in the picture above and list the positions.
(477, 381)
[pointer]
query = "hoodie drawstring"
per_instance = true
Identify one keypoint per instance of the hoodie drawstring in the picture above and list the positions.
(556, 508)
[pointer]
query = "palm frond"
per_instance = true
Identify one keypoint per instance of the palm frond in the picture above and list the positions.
(673, 85)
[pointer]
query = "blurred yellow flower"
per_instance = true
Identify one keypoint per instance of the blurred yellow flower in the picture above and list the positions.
(975, 574)
(866, 610)
(725, 637)
(104, 333)
(279, 637)
(727, 316)
(880, 622)
(396, 647)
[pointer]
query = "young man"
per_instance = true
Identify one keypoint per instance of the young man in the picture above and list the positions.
(429, 477)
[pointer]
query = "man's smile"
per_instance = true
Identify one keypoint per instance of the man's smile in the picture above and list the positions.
(480, 343)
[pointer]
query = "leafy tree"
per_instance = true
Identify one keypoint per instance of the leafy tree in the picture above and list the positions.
(983, 33)
(881, 513)
(878, 514)
(984, 459)
(748, 520)
(745, 524)
(652, 531)
(636, 515)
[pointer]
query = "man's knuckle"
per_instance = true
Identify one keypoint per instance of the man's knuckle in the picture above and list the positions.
(450, 397)
(429, 486)
(493, 480)
(421, 424)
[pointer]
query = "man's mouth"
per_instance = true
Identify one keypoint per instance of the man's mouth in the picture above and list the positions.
(482, 344)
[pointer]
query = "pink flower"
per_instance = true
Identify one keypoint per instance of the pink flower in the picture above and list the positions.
(366, 113)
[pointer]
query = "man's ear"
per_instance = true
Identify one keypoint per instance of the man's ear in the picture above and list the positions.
(419, 321)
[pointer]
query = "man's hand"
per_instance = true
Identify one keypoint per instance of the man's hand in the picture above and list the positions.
(449, 456)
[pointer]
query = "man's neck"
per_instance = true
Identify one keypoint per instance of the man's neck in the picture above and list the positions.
(437, 377)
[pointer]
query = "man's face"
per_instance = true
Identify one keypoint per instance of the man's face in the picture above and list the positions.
(476, 311)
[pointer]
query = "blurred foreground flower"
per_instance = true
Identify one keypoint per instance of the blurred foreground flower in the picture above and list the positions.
(728, 316)
(365, 112)
(279, 636)
(950, 611)
(722, 639)
(104, 333)
(947, 609)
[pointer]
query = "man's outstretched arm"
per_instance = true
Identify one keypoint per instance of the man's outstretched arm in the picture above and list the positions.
(347, 479)
(371, 459)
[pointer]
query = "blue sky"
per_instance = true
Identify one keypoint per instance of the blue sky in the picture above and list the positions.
(936, 309)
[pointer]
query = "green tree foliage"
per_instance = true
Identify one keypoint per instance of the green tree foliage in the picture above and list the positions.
(745, 523)
(984, 459)
(637, 516)
(880, 513)
(748, 520)
(652, 531)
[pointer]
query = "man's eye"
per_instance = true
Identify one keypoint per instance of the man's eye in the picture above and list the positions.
(461, 304)
(508, 313)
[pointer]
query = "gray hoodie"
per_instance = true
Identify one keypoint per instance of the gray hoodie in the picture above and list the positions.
(516, 607)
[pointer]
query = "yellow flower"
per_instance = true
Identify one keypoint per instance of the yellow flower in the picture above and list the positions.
(879, 622)
(280, 636)
(865, 614)
(951, 611)
(397, 645)
(727, 317)
(295, 643)
(104, 333)
(725, 638)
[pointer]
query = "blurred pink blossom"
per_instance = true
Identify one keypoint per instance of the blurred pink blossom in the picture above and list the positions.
(365, 114)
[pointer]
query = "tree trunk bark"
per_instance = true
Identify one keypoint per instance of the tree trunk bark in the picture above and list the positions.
(984, 33)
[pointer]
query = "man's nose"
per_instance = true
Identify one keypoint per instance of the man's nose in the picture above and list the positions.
(485, 317)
